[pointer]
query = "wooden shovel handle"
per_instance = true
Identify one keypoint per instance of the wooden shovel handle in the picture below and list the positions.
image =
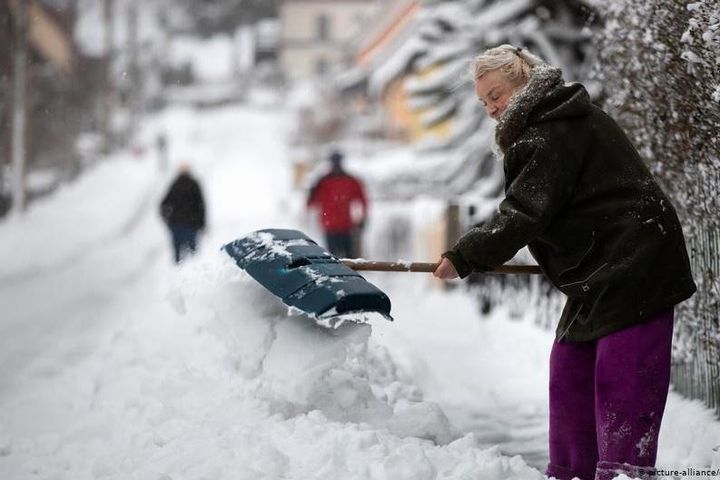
(367, 265)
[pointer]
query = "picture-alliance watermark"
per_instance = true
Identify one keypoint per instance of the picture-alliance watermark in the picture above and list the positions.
(687, 472)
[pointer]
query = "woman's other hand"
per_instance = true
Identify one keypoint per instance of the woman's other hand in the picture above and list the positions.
(445, 270)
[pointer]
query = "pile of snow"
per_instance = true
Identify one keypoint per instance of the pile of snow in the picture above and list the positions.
(295, 365)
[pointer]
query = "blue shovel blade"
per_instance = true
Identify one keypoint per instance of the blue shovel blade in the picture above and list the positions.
(305, 276)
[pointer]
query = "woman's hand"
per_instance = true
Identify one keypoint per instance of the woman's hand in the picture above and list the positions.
(445, 270)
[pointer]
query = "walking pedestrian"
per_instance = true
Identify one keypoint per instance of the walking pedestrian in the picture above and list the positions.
(604, 233)
(335, 195)
(183, 210)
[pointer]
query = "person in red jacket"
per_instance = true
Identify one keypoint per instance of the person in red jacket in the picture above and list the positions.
(334, 195)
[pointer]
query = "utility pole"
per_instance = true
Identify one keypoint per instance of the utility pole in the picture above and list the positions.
(109, 87)
(134, 90)
(19, 118)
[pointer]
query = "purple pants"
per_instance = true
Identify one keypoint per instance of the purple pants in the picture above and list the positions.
(607, 398)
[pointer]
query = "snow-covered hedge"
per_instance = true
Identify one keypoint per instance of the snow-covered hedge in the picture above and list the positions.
(659, 63)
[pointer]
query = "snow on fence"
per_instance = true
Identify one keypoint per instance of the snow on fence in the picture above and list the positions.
(524, 296)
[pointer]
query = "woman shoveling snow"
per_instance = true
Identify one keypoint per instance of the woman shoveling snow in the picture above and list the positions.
(579, 196)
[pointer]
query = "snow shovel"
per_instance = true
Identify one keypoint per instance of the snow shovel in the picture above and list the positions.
(305, 276)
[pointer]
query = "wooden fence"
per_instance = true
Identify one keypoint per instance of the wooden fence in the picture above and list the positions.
(696, 356)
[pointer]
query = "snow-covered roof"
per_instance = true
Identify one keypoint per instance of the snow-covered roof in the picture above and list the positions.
(350, 78)
(439, 112)
(395, 64)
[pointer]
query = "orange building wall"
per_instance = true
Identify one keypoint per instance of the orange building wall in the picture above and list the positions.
(405, 123)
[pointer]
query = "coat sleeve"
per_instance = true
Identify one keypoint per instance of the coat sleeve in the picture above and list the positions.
(167, 205)
(200, 208)
(313, 195)
(540, 179)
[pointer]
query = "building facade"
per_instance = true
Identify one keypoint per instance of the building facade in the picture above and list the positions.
(314, 34)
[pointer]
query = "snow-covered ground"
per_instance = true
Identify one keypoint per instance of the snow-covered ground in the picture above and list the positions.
(114, 363)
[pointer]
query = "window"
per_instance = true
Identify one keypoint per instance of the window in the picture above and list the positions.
(323, 27)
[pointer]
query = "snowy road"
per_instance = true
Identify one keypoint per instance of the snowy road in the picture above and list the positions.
(115, 364)
(59, 299)
(62, 302)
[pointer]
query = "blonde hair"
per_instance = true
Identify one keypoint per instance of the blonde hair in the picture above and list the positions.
(515, 63)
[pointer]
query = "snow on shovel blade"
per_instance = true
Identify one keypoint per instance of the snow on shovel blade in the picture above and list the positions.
(305, 276)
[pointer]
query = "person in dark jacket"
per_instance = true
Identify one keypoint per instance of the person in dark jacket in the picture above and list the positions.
(334, 195)
(604, 233)
(183, 210)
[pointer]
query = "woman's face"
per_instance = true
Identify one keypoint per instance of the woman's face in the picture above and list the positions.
(494, 91)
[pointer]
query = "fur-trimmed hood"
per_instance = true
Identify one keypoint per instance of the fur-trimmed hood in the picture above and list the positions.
(544, 87)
